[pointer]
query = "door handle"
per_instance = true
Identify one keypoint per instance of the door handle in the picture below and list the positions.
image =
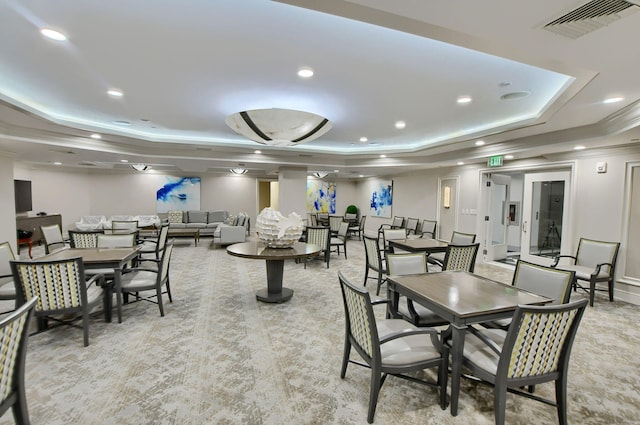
(524, 227)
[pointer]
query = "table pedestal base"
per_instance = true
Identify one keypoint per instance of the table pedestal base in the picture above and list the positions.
(274, 293)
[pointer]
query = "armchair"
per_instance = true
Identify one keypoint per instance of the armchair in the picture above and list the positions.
(461, 257)
(389, 347)
(428, 229)
(84, 239)
(457, 238)
(53, 239)
(7, 287)
(227, 235)
(411, 225)
(594, 262)
(373, 261)
(319, 236)
(340, 240)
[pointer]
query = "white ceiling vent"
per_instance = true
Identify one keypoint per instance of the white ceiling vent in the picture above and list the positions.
(592, 16)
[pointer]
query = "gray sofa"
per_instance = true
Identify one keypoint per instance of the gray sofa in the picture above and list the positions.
(206, 221)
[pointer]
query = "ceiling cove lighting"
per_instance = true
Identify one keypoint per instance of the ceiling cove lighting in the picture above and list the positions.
(53, 34)
(320, 174)
(238, 171)
(140, 167)
(278, 127)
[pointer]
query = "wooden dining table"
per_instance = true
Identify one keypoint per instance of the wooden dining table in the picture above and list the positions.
(101, 258)
(461, 298)
(426, 245)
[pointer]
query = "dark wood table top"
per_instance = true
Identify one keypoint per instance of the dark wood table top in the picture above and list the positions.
(419, 245)
(260, 251)
(94, 255)
(464, 295)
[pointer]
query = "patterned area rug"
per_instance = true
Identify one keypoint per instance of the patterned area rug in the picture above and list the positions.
(220, 357)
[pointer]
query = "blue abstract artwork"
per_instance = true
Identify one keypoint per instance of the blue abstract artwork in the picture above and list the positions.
(381, 199)
(321, 197)
(178, 193)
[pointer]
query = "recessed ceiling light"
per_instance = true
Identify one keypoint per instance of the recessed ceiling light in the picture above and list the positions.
(257, 152)
(305, 72)
(460, 163)
(613, 100)
(124, 160)
(57, 163)
(361, 175)
(364, 139)
(53, 34)
(479, 142)
(508, 157)
(400, 125)
(336, 171)
(579, 148)
(114, 93)
(96, 136)
(464, 99)
(119, 122)
(383, 156)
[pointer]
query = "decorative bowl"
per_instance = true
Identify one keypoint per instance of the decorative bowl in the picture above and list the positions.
(278, 231)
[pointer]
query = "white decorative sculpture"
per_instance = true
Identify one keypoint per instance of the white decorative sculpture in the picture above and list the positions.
(278, 231)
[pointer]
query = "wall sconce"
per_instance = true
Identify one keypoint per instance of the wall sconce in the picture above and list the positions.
(446, 197)
(320, 174)
(140, 167)
(239, 171)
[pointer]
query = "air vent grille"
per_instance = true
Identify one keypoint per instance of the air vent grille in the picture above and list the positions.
(590, 17)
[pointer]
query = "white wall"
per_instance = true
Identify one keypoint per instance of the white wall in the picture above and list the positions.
(7, 204)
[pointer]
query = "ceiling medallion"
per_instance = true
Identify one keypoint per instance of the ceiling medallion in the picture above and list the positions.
(278, 127)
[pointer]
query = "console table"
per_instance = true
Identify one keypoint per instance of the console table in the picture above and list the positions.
(33, 224)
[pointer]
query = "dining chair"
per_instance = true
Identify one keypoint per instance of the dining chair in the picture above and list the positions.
(428, 229)
(124, 226)
(62, 289)
(357, 228)
(412, 263)
(373, 261)
(334, 223)
(535, 349)
(151, 248)
(139, 279)
(457, 238)
(319, 236)
(389, 347)
(14, 329)
(549, 282)
(390, 235)
(461, 257)
(411, 225)
(7, 287)
(84, 239)
(52, 238)
(340, 240)
(594, 262)
(124, 240)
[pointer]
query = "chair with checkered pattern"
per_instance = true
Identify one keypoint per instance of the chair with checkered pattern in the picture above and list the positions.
(84, 239)
(389, 347)
(461, 257)
(535, 349)
(13, 346)
(61, 288)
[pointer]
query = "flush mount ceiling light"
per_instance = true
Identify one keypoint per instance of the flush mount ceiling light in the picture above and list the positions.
(140, 167)
(238, 171)
(321, 174)
(278, 127)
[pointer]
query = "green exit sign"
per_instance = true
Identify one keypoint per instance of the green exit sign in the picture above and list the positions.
(495, 161)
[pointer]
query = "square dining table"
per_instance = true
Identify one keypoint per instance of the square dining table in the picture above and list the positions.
(101, 258)
(426, 245)
(462, 298)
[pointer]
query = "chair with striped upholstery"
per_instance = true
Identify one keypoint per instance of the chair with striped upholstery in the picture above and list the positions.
(84, 239)
(61, 288)
(374, 261)
(14, 330)
(7, 287)
(536, 349)
(389, 347)
(320, 236)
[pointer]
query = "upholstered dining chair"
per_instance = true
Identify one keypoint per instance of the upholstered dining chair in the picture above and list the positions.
(53, 239)
(151, 248)
(340, 240)
(358, 228)
(61, 288)
(457, 238)
(374, 261)
(412, 263)
(428, 229)
(124, 226)
(546, 281)
(411, 225)
(334, 223)
(7, 287)
(319, 236)
(535, 349)
(14, 329)
(390, 235)
(389, 347)
(124, 240)
(139, 279)
(84, 239)
(461, 257)
(594, 262)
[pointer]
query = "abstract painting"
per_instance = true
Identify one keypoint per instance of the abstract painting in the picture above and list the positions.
(321, 196)
(178, 193)
(381, 199)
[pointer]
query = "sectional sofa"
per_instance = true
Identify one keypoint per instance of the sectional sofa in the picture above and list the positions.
(100, 222)
(224, 228)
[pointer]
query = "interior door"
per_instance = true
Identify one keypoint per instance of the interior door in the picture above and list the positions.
(498, 188)
(544, 215)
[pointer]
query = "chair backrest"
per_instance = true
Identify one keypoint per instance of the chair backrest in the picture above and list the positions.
(363, 219)
(359, 319)
(164, 263)
(83, 239)
(428, 228)
(546, 281)
(461, 257)
(323, 218)
(314, 219)
(318, 236)
(397, 222)
(122, 226)
(592, 252)
(162, 238)
(334, 222)
(58, 285)
(402, 264)
(343, 229)
(539, 340)
(411, 225)
(52, 237)
(372, 252)
(350, 216)
(6, 255)
(392, 234)
(14, 330)
(459, 238)
(124, 240)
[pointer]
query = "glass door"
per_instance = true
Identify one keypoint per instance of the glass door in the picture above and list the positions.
(498, 187)
(544, 215)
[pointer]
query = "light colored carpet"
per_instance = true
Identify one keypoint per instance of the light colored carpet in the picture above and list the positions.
(220, 357)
